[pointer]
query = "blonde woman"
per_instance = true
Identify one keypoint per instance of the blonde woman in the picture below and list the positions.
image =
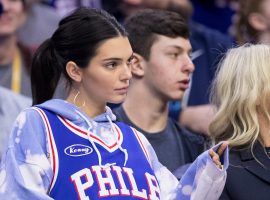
(241, 93)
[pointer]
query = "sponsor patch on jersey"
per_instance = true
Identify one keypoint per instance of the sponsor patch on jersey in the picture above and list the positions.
(76, 150)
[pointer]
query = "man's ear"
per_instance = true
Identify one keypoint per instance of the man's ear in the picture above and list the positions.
(258, 21)
(138, 65)
(74, 72)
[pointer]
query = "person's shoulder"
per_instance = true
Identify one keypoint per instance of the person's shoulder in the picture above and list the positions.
(30, 116)
(16, 101)
(236, 156)
(28, 124)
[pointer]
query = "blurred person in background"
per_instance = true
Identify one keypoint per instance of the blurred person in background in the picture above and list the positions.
(15, 58)
(64, 7)
(252, 22)
(41, 22)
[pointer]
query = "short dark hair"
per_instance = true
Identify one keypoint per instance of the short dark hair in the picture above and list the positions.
(144, 27)
(76, 39)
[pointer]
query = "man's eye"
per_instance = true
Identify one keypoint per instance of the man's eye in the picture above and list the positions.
(173, 55)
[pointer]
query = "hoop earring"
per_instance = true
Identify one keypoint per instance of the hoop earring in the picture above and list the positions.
(75, 99)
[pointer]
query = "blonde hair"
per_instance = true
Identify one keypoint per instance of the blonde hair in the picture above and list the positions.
(241, 86)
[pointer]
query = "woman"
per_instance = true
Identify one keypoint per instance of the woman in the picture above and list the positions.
(76, 149)
(241, 94)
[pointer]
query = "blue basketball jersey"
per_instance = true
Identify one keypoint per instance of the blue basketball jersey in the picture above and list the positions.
(75, 163)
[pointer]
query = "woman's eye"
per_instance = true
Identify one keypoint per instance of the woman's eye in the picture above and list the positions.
(111, 65)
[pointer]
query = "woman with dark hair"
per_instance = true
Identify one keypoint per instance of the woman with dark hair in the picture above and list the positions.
(73, 149)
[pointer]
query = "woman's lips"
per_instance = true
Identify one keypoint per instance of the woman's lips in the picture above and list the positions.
(122, 90)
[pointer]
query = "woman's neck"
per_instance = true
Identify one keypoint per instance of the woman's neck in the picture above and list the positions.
(91, 107)
(8, 47)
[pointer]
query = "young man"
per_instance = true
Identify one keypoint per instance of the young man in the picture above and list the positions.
(194, 111)
(161, 73)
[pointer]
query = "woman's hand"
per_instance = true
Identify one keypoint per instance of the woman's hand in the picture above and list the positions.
(216, 155)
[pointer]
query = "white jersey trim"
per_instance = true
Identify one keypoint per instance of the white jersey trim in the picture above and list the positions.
(142, 145)
(83, 133)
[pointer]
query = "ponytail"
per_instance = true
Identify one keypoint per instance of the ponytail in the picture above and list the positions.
(45, 72)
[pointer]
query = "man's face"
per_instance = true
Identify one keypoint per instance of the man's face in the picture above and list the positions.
(167, 72)
(12, 18)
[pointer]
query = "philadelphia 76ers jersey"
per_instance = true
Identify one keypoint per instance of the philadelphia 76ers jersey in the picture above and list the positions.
(75, 163)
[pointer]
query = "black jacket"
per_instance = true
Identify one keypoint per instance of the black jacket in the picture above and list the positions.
(248, 179)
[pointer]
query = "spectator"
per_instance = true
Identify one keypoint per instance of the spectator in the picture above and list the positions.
(241, 95)
(40, 23)
(161, 73)
(14, 57)
(252, 21)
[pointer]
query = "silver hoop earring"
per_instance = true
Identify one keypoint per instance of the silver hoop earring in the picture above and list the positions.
(75, 99)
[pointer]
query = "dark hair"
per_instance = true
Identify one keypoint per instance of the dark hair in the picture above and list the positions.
(146, 25)
(76, 39)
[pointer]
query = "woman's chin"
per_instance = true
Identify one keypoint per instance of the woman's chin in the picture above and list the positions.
(117, 100)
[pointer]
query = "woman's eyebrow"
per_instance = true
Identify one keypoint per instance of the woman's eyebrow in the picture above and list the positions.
(109, 59)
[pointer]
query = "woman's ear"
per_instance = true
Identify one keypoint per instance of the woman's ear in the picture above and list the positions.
(258, 21)
(138, 65)
(74, 72)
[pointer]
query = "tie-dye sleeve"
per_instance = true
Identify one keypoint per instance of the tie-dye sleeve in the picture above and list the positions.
(203, 179)
(25, 170)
